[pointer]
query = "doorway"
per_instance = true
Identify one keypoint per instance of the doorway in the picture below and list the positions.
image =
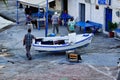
(108, 17)
(65, 5)
(82, 12)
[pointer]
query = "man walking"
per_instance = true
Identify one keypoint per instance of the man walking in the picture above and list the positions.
(27, 41)
(55, 22)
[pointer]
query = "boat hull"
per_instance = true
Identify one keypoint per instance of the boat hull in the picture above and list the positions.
(64, 47)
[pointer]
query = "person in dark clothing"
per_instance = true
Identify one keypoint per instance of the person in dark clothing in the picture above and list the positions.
(27, 10)
(28, 15)
(20, 6)
(27, 41)
(64, 17)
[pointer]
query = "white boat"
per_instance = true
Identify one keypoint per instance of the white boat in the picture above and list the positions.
(62, 43)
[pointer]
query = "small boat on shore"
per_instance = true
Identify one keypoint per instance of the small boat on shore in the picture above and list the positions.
(62, 43)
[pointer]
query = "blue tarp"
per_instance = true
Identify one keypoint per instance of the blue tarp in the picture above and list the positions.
(83, 24)
(96, 25)
(90, 24)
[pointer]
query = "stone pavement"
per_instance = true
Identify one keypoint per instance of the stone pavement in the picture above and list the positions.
(99, 58)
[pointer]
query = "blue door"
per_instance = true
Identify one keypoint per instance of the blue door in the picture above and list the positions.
(108, 17)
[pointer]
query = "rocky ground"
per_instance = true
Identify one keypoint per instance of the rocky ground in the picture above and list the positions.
(99, 59)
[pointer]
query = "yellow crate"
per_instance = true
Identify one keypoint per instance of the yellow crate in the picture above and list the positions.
(73, 57)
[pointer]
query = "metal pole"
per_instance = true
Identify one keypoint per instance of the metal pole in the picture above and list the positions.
(38, 21)
(17, 21)
(46, 29)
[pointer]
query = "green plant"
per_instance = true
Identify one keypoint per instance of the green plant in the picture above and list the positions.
(112, 26)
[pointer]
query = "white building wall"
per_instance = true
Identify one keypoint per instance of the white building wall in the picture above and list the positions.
(116, 7)
(115, 17)
(73, 8)
(115, 3)
(90, 12)
(97, 14)
(93, 14)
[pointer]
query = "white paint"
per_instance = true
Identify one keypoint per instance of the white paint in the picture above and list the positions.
(108, 75)
(96, 15)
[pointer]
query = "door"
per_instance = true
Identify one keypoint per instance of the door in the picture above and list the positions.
(65, 5)
(82, 12)
(108, 17)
